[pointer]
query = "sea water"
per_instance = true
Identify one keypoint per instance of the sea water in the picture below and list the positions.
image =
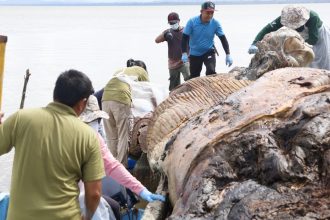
(98, 40)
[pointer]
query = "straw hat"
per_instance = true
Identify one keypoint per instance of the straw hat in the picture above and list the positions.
(294, 16)
(92, 111)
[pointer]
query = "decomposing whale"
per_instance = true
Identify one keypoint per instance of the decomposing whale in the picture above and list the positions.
(263, 152)
(282, 48)
(231, 148)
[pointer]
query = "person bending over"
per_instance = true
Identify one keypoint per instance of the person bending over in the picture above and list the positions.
(306, 22)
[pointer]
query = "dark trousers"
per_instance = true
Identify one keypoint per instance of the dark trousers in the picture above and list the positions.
(196, 64)
(114, 206)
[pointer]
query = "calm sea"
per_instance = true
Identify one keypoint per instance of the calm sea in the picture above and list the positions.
(99, 40)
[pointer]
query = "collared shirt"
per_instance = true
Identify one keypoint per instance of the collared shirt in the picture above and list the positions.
(201, 35)
(53, 151)
(117, 90)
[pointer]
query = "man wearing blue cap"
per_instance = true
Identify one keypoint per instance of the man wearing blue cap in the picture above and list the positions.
(200, 32)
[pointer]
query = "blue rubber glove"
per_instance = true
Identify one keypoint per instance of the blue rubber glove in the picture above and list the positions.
(253, 49)
(184, 57)
(4, 203)
(229, 60)
(150, 197)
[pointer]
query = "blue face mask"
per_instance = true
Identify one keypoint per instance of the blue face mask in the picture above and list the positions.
(175, 26)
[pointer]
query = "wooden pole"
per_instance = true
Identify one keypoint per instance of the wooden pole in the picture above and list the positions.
(3, 41)
(26, 80)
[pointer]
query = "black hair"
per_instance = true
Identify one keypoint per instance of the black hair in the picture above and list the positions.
(139, 63)
(72, 86)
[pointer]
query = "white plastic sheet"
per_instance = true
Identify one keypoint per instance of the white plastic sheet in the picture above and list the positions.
(103, 211)
(145, 95)
(322, 49)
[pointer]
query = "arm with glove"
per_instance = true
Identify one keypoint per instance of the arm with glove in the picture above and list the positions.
(119, 173)
(225, 45)
(164, 36)
(184, 48)
(253, 49)
(272, 26)
(151, 197)
(168, 35)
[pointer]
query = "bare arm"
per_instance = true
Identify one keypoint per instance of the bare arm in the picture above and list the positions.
(160, 38)
(92, 197)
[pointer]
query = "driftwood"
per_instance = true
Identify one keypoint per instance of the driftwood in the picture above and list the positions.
(26, 80)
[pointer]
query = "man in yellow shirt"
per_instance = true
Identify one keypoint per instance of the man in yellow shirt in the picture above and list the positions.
(116, 101)
(53, 151)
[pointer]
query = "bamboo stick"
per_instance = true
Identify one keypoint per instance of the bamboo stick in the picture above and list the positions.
(3, 41)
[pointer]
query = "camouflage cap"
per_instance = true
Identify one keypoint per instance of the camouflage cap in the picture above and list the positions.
(92, 111)
(294, 16)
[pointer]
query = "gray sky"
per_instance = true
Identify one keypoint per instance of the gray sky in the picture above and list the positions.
(77, 1)
(112, 1)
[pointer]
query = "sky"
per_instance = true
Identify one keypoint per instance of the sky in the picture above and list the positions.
(96, 1)
(75, 1)
(78, 1)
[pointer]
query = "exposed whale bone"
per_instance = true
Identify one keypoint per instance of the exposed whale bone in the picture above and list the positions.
(191, 98)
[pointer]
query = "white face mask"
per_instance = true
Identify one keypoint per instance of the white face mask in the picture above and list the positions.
(175, 26)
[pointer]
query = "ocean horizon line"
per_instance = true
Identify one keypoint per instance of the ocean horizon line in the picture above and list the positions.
(232, 2)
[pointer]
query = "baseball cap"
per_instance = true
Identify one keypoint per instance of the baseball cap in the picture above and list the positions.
(173, 16)
(92, 111)
(208, 6)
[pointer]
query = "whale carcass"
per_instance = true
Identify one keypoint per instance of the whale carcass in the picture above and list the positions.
(259, 150)
(262, 152)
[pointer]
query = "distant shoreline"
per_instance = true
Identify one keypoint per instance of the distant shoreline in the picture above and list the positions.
(232, 2)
